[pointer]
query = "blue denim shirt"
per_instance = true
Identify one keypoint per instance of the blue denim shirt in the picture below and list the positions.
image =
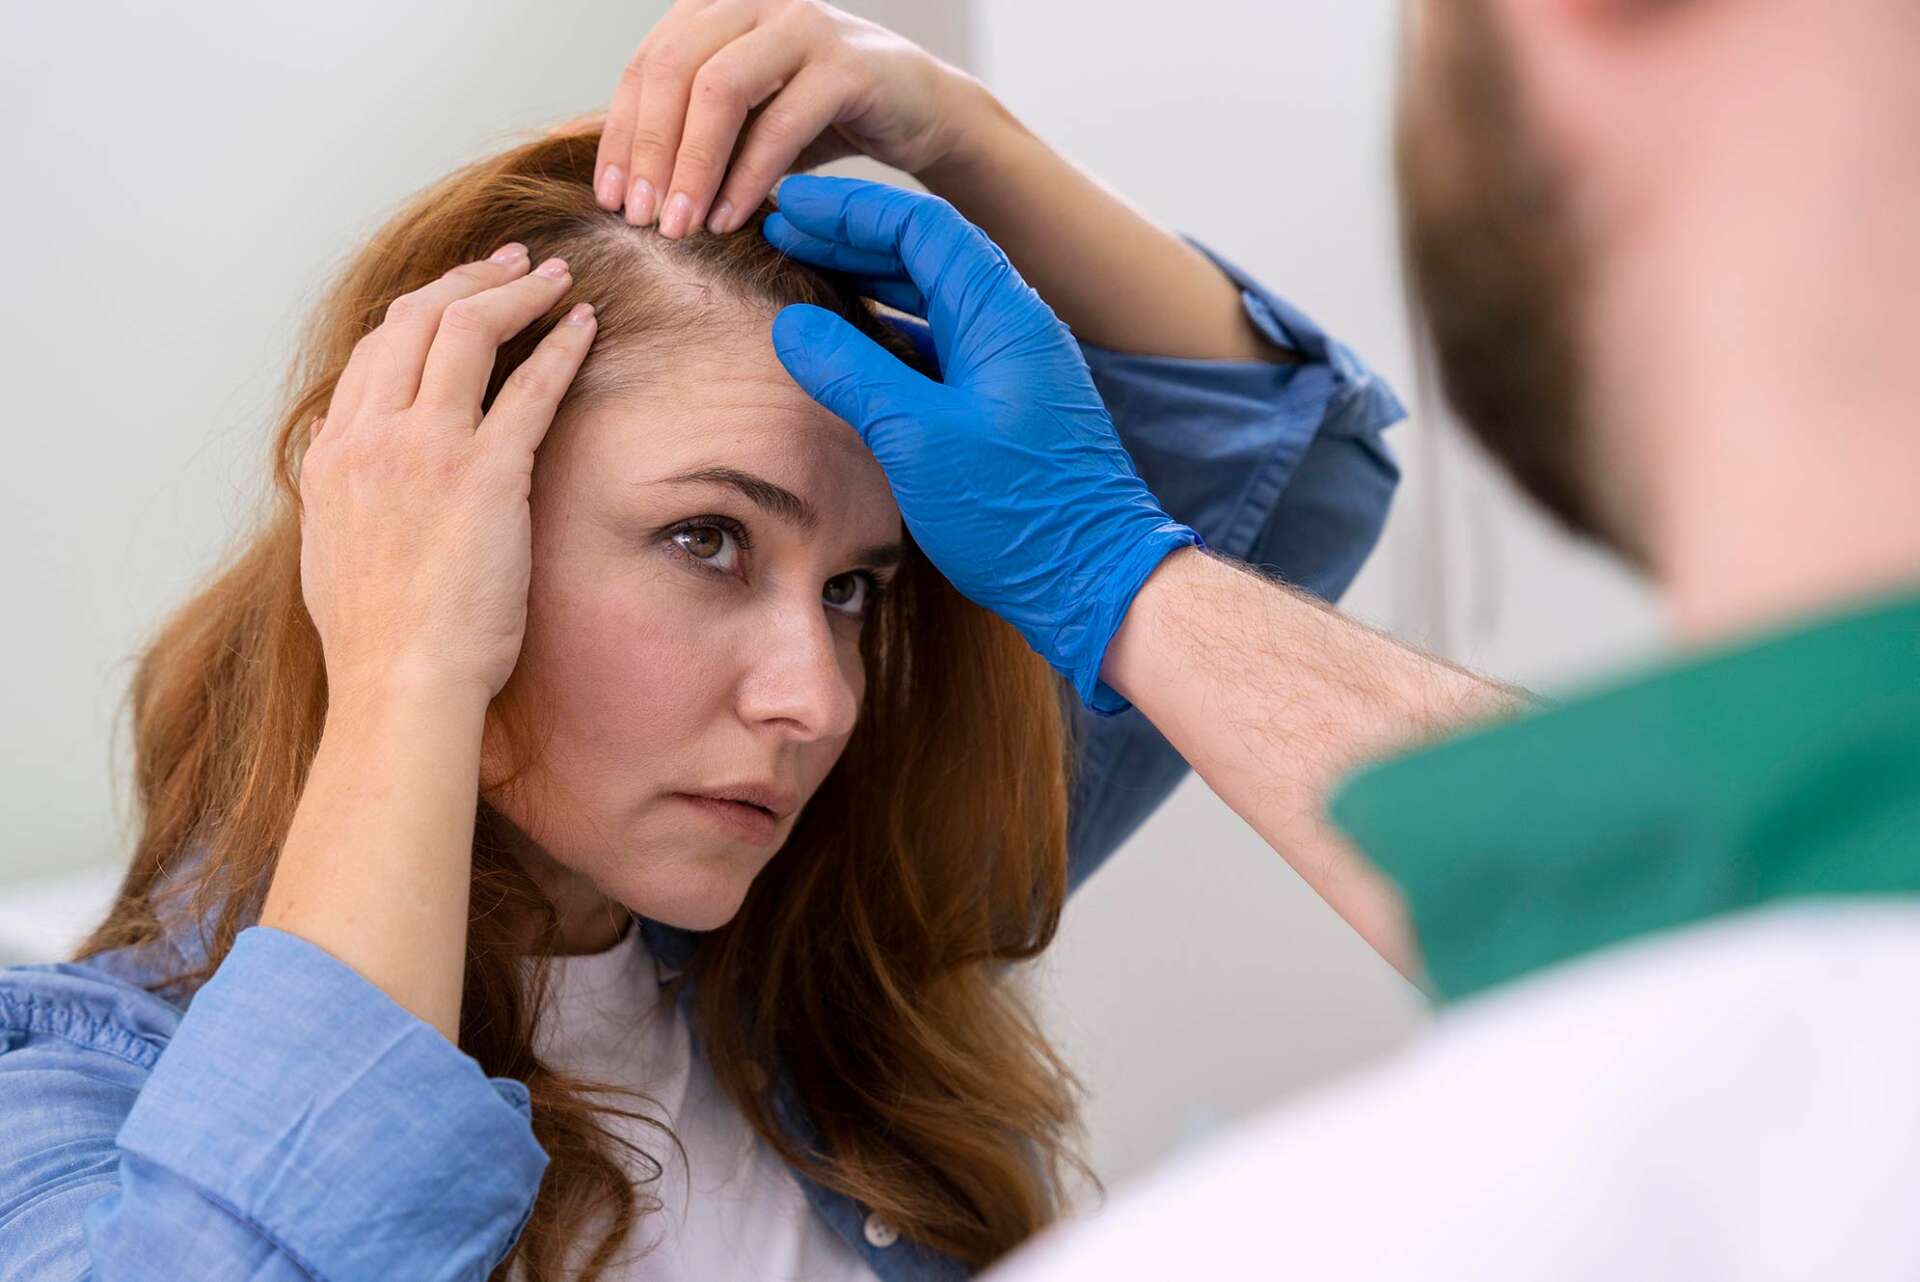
(291, 1121)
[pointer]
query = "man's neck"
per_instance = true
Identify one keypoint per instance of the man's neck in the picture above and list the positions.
(1762, 384)
(1765, 524)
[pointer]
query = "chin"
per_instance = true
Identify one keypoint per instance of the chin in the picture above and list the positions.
(704, 895)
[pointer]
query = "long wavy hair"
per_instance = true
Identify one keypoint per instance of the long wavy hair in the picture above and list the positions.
(871, 962)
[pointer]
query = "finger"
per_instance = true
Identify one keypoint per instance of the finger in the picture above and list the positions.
(347, 387)
(901, 295)
(831, 254)
(880, 219)
(962, 275)
(524, 409)
(672, 55)
(853, 376)
(460, 362)
(616, 139)
(389, 377)
(879, 276)
(916, 332)
(790, 122)
(732, 83)
(314, 429)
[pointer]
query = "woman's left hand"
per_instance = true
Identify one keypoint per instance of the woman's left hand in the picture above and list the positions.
(806, 82)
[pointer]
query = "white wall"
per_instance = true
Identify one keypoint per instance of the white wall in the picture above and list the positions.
(1195, 979)
(182, 177)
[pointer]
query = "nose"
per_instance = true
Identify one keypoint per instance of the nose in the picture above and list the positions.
(798, 678)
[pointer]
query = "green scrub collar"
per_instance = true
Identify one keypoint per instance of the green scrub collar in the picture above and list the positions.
(1786, 766)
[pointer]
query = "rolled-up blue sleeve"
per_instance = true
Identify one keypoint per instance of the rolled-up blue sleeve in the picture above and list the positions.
(1278, 465)
(294, 1122)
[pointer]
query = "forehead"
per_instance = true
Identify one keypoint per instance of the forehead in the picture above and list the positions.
(725, 401)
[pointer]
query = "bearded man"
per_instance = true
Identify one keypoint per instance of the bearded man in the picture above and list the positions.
(1664, 253)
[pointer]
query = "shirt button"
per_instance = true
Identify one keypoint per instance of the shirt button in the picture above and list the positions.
(879, 1232)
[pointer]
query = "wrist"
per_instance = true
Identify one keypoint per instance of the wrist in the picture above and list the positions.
(982, 132)
(406, 688)
(1125, 666)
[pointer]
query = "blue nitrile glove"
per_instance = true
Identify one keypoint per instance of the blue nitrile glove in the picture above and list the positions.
(1008, 472)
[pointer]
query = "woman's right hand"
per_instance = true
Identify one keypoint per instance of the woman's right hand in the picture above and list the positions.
(720, 100)
(723, 99)
(416, 535)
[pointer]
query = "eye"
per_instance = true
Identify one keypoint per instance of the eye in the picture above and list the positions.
(855, 593)
(714, 542)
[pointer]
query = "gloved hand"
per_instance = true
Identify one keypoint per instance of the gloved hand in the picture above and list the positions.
(1008, 472)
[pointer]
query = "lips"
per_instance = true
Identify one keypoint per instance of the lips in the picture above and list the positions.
(763, 797)
(743, 819)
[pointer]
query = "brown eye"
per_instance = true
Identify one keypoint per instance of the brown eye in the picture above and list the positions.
(713, 546)
(702, 541)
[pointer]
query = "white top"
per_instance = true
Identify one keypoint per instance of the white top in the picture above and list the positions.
(732, 1208)
(1739, 1100)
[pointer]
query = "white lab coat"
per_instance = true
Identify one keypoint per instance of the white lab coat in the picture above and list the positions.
(1738, 1100)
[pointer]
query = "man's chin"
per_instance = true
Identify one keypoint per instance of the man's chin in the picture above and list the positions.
(1499, 274)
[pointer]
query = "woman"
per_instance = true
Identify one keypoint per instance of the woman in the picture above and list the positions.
(565, 622)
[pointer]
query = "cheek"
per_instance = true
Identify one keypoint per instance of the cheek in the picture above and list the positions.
(620, 670)
(821, 755)
(853, 675)
(854, 670)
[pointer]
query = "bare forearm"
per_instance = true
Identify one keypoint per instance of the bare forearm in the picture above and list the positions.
(1273, 696)
(1117, 278)
(377, 865)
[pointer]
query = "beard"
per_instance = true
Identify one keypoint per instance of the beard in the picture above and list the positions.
(1496, 270)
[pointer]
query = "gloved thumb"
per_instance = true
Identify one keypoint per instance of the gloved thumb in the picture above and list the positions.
(850, 374)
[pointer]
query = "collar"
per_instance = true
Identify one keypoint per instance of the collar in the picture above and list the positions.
(1781, 767)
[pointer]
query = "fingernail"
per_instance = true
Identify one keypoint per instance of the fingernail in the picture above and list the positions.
(554, 268)
(679, 212)
(612, 178)
(581, 314)
(640, 203)
(508, 252)
(722, 217)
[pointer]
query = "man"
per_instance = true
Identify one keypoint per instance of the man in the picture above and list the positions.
(1665, 254)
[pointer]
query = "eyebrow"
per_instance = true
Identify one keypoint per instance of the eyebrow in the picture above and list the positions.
(781, 502)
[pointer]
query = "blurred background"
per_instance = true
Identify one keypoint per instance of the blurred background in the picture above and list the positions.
(184, 178)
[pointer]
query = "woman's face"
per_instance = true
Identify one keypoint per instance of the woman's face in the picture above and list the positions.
(704, 555)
